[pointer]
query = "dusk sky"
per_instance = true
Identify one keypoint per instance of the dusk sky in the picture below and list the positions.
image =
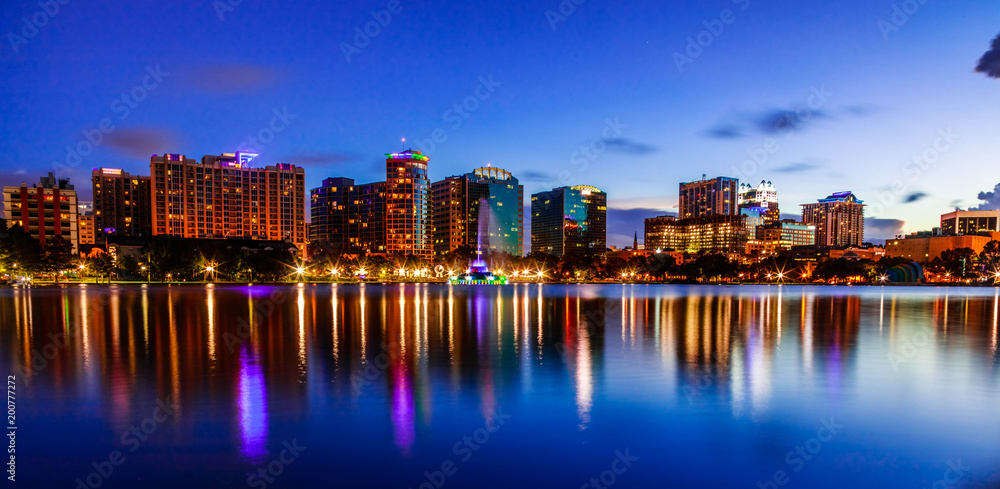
(884, 87)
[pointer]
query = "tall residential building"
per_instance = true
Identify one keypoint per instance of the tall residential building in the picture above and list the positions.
(720, 233)
(407, 204)
(456, 211)
(839, 220)
(122, 204)
(708, 197)
(349, 217)
(569, 220)
(45, 210)
(763, 198)
(227, 197)
(969, 222)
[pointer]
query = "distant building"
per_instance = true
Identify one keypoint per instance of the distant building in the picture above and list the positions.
(839, 220)
(122, 203)
(348, 217)
(720, 233)
(45, 210)
(569, 220)
(925, 248)
(969, 222)
(456, 202)
(783, 235)
(407, 205)
(227, 197)
(709, 197)
(85, 222)
(763, 198)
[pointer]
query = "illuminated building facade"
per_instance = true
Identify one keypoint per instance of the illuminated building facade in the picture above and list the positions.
(839, 220)
(569, 220)
(226, 197)
(45, 210)
(783, 235)
(349, 217)
(407, 205)
(762, 198)
(925, 248)
(456, 202)
(720, 233)
(121, 203)
(969, 222)
(85, 223)
(708, 197)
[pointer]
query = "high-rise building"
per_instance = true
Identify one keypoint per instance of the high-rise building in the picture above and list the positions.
(839, 220)
(569, 220)
(456, 204)
(349, 217)
(763, 198)
(122, 204)
(227, 197)
(407, 204)
(720, 233)
(45, 210)
(969, 222)
(708, 197)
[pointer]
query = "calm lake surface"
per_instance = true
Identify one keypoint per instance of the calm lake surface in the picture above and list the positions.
(504, 386)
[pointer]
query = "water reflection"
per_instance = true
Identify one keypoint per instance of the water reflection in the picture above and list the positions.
(265, 358)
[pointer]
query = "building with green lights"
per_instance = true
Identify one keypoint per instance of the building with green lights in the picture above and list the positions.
(456, 211)
(570, 220)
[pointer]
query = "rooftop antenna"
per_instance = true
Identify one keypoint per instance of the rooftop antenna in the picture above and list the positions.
(404, 144)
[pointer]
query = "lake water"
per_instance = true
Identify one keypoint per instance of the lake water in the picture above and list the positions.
(420, 386)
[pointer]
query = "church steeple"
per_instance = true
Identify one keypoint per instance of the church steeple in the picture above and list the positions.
(635, 241)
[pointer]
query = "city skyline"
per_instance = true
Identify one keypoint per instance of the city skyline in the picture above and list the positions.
(531, 115)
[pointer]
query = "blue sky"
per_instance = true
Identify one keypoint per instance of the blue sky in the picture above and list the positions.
(604, 76)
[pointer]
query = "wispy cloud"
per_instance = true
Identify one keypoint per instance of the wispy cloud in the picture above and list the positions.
(228, 79)
(915, 197)
(797, 167)
(623, 145)
(141, 142)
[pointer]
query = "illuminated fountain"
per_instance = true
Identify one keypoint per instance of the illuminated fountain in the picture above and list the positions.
(479, 272)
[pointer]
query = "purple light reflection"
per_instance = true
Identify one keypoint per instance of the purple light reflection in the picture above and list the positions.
(253, 409)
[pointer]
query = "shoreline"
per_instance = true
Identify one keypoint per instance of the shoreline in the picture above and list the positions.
(445, 282)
